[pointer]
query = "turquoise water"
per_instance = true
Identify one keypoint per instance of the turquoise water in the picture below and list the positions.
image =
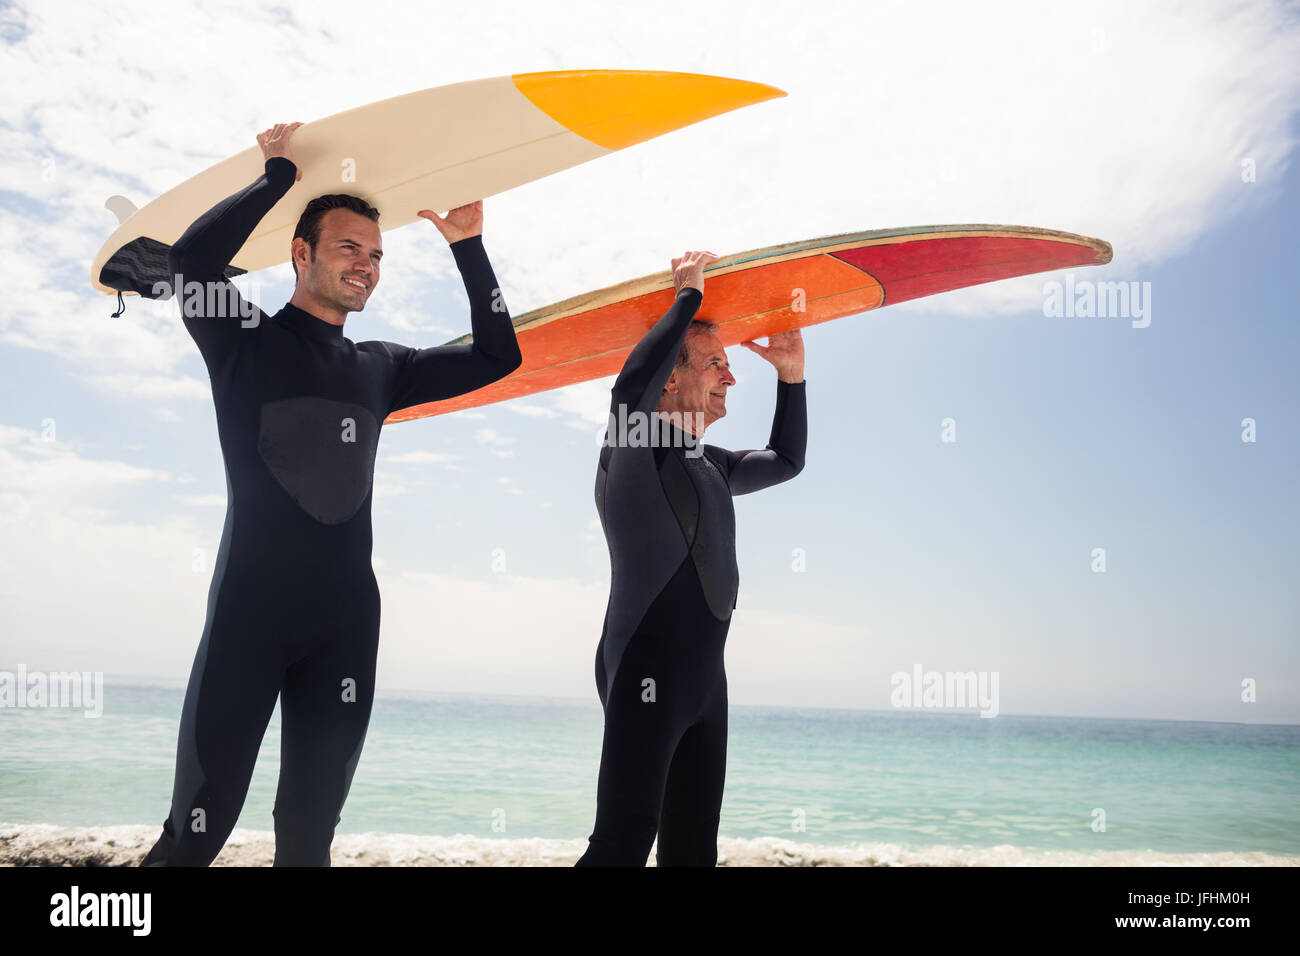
(525, 767)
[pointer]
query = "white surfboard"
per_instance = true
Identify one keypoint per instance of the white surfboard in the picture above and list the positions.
(435, 149)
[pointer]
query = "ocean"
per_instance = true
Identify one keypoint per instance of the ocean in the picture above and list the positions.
(953, 788)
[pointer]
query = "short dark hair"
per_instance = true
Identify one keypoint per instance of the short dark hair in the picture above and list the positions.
(309, 222)
(697, 327)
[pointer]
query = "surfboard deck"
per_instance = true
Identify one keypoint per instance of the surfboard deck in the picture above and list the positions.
(433, 149)
(765, 291)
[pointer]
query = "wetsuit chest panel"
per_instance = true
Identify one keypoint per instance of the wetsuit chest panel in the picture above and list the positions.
(680, 492)
(321, 452)
(713, 547)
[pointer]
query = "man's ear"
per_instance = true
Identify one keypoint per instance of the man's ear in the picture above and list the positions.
(299, 244)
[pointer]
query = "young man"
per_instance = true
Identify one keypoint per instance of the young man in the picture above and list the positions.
(665, 505)
(293, 610)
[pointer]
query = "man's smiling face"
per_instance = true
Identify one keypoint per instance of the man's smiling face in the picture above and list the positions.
(700, 387)
(343, 269)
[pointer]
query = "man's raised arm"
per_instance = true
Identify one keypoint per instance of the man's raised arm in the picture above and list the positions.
(784, 456)
(429, 375)
(211, 241)
(204, 250)
(648, 367)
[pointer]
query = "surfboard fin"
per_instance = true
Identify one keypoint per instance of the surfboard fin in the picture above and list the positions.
(121, 207)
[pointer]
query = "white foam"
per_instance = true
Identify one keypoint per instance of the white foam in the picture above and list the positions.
(29, 844)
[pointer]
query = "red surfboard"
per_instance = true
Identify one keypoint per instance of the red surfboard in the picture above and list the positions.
(759, 293)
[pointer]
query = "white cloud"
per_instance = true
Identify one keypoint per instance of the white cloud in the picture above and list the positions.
(585, 405)
(388, 484)
(154, 387)
(100, 590)
(495, 441)
(533, 411)
(52, 474)
(514, 635)
(203, 501)
(509, 486)
(421, 458)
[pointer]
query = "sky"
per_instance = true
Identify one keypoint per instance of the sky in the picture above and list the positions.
(1168, 131)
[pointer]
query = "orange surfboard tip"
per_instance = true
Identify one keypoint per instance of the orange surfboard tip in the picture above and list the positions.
(619, 108)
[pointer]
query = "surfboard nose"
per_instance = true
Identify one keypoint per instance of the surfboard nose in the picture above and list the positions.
(650, 102)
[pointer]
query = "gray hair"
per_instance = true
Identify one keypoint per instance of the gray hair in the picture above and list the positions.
(697, 327)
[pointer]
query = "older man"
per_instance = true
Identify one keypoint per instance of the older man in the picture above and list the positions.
(664, 500)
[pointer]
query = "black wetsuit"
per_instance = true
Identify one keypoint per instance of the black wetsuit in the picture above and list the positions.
(670, 525)
(293, 610)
